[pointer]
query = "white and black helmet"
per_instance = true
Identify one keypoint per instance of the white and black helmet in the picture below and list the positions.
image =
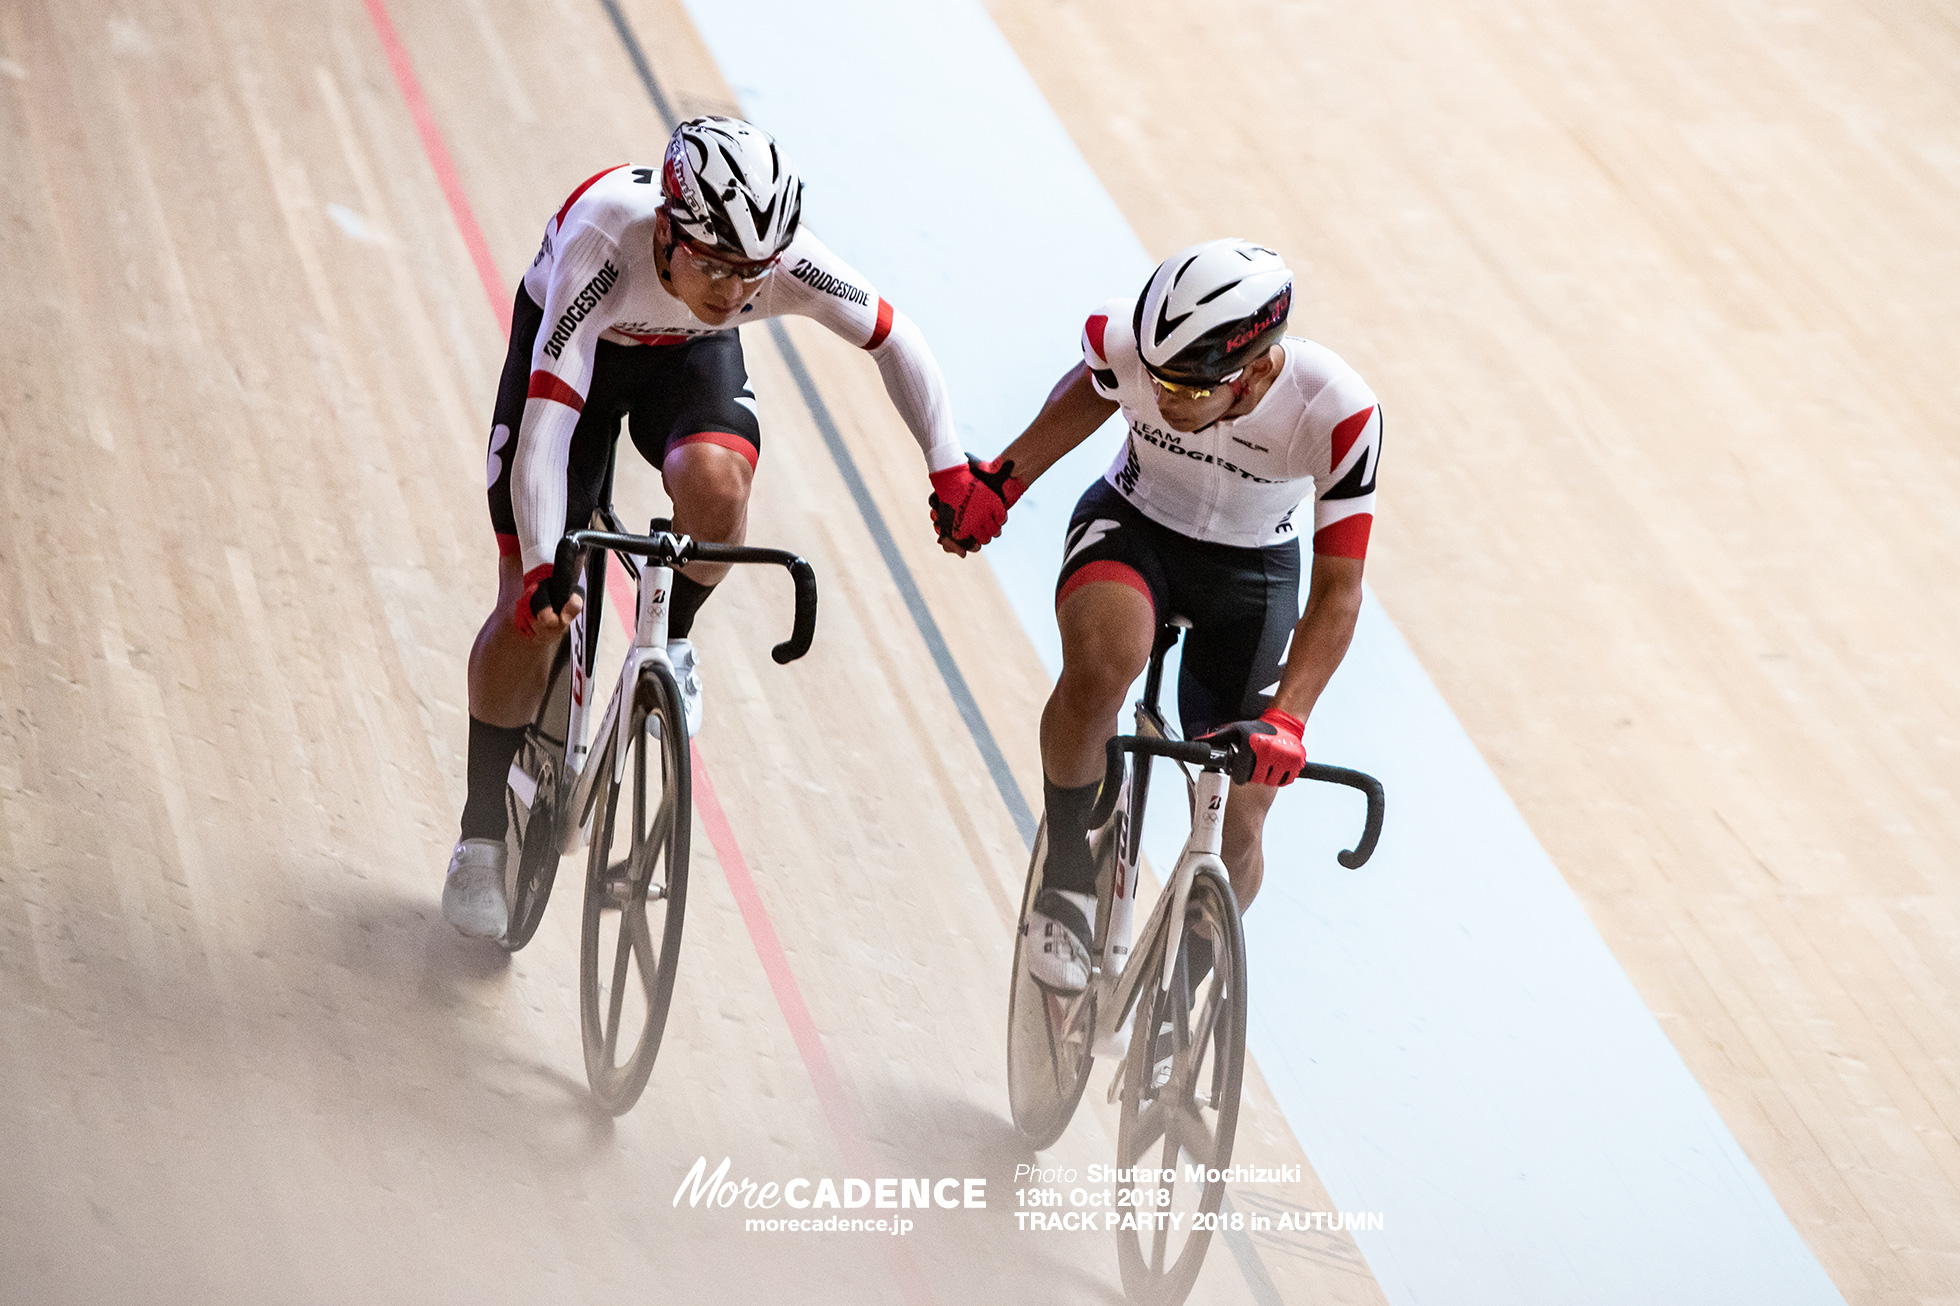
(729, 189)
(1210, 308)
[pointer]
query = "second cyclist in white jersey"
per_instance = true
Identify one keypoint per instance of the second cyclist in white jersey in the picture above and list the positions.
(629, 311)
(1236, 432)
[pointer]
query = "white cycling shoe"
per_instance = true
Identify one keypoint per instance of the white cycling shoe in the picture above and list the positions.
(1056, 949)
(473, 893)
(687, 673)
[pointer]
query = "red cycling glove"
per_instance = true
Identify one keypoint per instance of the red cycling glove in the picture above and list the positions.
(1273, 742)
(969, 504)
(530, 601)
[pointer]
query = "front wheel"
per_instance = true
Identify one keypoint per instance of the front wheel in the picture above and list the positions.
(533, 796)
(1048, 1053)
(1180, 1097)
(635, 892)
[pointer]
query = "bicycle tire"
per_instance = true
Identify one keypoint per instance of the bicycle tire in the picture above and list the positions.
(535, 827)
(623, 890)
(1048, 1062)
(1169, 1118)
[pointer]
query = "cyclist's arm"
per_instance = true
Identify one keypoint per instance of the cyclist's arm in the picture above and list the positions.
(815, 283)
(1343, 514)
(1075, 408)
(586, 273)
(1321, 638)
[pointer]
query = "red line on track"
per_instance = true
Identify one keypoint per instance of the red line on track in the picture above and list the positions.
(831, 1097)
(438, 154)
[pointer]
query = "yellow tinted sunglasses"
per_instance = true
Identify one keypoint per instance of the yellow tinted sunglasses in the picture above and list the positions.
(1184, 391)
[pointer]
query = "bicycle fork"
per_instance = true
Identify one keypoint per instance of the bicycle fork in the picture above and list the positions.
(1167, 918)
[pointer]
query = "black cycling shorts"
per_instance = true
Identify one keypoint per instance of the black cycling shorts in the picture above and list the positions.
(1242, 603)
(669, 394)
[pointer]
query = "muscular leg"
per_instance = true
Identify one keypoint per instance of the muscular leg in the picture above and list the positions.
(1245, 821)
(1107, 631)
(709, 485)
(507, 669)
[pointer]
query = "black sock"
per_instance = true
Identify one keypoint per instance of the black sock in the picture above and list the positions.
(1070, 867)
(491, 749)
(689, 595)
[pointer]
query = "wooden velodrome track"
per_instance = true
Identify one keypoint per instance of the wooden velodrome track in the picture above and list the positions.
(1666, 297)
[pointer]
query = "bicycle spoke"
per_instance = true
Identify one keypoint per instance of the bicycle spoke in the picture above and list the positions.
(1158, 1235)
(1048, 1005)
(1169, 1160)
(639, 800)
(1193, 1134)
(622, 952)
(1202, 1035)
(1148, 1123)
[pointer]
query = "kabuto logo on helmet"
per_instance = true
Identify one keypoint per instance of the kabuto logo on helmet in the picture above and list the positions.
(1207, 306)
(729, 190)
(1273, 315)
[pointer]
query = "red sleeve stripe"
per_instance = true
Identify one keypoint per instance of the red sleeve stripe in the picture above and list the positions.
(507, 546)
(1093, 329)
(1345, 435)
(546, 385)
(583, 186)
(1346, 538)
(1105, 569)
(725, 439)
(884, 326)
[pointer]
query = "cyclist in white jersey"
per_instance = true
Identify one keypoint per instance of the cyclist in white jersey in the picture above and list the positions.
(1233, 426)
(630, 309)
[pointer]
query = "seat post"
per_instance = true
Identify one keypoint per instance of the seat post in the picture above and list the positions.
(1153, 680)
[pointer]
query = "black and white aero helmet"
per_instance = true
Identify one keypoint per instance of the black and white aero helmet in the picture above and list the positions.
(1210, 308)
(729, 190)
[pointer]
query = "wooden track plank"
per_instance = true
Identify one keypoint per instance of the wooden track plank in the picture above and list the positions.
(1661, 306)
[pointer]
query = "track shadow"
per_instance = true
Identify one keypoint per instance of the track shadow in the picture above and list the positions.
(986, 1256)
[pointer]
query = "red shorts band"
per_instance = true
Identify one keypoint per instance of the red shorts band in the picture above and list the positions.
(725, 439)
(1105, 569)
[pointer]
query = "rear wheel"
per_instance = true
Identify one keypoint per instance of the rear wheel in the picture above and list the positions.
(534, 816)
(635, 892)
(1049, 1053)
(1180, 1096)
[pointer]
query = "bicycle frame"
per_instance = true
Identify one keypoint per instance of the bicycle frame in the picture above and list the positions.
(1114, 981)
(1120, 977)
(1114, 978)
(656, 583)
(586, 555)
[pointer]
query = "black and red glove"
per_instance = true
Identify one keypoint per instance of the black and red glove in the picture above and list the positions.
(1272, 745)
(535, 599)
(969, 504)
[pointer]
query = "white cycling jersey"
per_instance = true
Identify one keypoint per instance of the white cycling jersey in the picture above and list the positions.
(595, 279)
(1316, 431)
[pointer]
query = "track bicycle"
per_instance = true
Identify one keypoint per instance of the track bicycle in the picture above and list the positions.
(1174, 1009)
(627, 794)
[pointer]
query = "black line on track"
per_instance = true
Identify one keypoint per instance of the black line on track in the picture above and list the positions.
(874, 520)
(640, 65)
(1256, 1277)
(915, 602)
